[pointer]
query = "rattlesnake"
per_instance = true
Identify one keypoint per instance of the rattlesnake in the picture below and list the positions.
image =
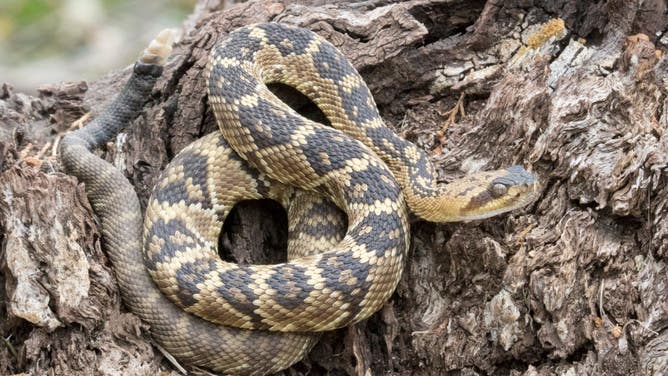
(358, 164)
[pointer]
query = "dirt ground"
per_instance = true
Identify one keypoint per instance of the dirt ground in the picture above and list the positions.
(575, 284)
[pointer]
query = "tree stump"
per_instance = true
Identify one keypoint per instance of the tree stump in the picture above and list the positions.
(574, 284)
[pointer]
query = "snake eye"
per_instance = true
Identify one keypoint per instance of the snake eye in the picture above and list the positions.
(499, 190)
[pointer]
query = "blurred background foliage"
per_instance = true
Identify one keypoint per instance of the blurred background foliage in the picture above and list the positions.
(46, 41)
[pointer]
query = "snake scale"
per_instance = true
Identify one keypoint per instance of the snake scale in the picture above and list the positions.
(259, 319)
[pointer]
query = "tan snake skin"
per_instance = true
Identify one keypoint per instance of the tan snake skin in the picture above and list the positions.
(329, 281)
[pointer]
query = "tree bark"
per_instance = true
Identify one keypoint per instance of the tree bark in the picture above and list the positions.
(576, 283)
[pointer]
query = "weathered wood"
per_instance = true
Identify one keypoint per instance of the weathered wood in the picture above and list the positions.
(575, 284)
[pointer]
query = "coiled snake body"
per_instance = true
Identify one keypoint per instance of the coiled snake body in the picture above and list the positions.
(331, 279)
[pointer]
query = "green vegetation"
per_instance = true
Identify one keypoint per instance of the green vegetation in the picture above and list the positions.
(77, 39)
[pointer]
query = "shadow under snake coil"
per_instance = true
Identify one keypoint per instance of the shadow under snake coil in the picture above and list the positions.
(259, 319)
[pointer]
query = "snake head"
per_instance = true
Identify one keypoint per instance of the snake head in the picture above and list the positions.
(486, 194)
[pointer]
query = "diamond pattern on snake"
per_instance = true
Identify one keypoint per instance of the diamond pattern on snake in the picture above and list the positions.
(259, 319)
